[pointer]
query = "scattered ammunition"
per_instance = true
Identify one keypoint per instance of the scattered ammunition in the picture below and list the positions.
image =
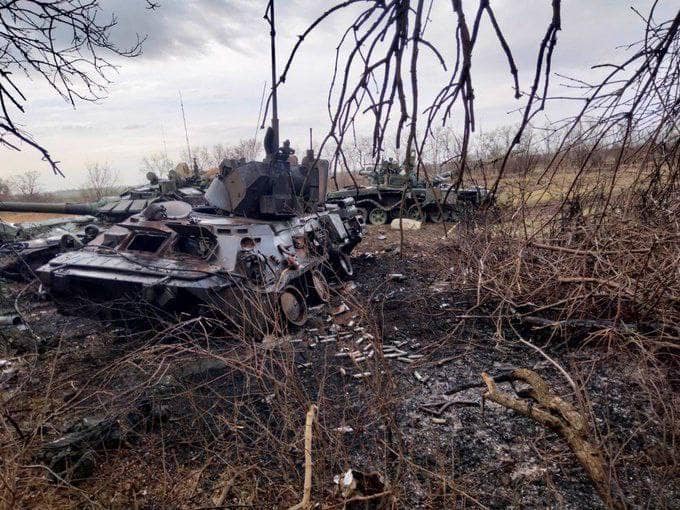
(359, 359)
(313, 330)
(404, 359)
(328, 340)
(295, 340)
(439, 421)
(345, 429)
(369, 336)
(396, 277)
(350, 324)
(359, 328)
(419, 377)
(360, 339)
(416, 356)
(393, 355)
(341, 354)
(370, 353)
(362, 375)
(305, 365)
(343, 371)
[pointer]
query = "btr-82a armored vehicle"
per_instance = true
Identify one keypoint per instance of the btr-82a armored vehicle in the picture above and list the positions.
(266, 236)
(391, 192)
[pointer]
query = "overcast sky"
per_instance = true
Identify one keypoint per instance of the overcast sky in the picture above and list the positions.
(216, 52)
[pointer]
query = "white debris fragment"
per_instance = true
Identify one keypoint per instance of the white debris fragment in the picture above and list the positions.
(439, 421)
(396, 277)
(362, 375)
(406, 224)
(345, 429)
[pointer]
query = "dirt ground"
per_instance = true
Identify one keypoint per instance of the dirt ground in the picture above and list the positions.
(26, 217)
(227, 419)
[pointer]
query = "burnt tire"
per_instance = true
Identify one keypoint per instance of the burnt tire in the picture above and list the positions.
(293, 306)
(343, 266)
(320, 291)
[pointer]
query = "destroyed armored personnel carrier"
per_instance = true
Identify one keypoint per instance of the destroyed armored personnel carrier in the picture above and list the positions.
(392, 192)
(25, 246)
(266, 239)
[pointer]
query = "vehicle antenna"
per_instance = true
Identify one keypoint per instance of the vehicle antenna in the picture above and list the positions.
(186, 131)
(270, 16)
(259, 114)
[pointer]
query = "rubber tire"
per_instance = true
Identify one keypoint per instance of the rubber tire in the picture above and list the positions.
(415, 213)
(378, 216)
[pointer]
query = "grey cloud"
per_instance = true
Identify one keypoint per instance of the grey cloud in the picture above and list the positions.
(184, 27)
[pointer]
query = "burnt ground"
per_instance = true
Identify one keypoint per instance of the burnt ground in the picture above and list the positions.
(198, 420)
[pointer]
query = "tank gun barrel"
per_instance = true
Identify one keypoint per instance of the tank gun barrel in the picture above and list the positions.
(54, 208)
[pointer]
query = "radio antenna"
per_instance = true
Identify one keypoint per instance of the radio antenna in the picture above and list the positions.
(259, 114)
(186, 131)
(270, 17)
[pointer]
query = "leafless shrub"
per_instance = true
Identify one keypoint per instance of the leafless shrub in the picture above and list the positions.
(101, 180)
(158, 163)
(27, 184)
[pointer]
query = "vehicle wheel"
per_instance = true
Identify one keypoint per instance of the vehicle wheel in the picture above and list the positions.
(435, 216)
(415, 213)
(320, 289)
(377, 216)
(293, 306)
(344, 266)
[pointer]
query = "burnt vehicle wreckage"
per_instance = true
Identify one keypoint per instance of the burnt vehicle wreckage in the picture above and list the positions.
(26, 246)
(266, 231)
(391, 193)
(263, 243)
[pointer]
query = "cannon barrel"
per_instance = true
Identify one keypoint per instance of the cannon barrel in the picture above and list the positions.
(40, 207)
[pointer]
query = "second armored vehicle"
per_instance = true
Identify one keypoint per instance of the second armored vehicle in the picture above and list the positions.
(392, 193)
(25, 246)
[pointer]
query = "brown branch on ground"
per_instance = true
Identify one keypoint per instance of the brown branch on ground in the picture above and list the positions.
(555, 413)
